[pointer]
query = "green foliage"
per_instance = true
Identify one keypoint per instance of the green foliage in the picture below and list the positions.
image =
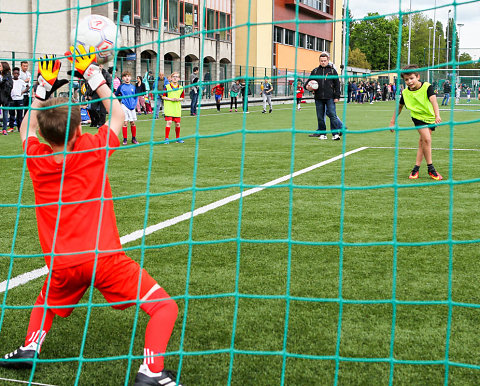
(370, 37)
(357, 58)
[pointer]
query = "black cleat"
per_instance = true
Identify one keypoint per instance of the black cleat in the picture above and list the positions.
(314, 135)
(20, 353)
(165, 378)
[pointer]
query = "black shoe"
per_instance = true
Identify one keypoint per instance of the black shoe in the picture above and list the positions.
(314, 135)
(145, 377)
(20, 353)
(263, 112)
(269, 111)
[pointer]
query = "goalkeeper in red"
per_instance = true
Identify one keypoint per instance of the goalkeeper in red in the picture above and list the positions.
(79, 237)
(419, 97)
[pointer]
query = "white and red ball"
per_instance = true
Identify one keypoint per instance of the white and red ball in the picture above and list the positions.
(313, 84)
(99, 32)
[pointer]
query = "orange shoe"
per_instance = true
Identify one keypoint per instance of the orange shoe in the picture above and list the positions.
(435, 175)
(413, 175)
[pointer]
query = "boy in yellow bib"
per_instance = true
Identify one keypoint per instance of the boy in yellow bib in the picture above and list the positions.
(172, 106)
(419, 97)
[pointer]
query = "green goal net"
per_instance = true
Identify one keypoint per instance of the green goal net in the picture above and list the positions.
(293, 260)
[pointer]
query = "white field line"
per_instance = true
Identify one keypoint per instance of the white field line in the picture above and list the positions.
(30, 383)
(415, 148)
(29, 276)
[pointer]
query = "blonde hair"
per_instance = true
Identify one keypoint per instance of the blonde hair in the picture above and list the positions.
(54, 118)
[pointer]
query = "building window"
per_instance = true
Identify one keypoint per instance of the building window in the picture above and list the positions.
(319, 44)
(145, 13)
(278, 34)
(218, 20)
(289, 37)
(310, 42)
(125, 9)
(327, 46)
(321, 5)
(223, 24)
(189, 16)
(301, 40)
(155, 13)
(210, 22)
(229, 25)
(171, 15)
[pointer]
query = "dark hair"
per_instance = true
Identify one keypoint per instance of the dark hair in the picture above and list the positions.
(15, 69)
(324, 54)
(23, 61)
(195, 69)
(5, 68)
(54, 118)
(124, 73)
(408, 70)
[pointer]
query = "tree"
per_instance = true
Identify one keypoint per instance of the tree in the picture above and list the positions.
(357, 58)
(370, 37)
(452, 53)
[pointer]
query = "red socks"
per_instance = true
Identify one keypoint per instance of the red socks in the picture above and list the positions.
(177, 132)
(34, 335)
(133, 129)
(167, 131)
(159, 329)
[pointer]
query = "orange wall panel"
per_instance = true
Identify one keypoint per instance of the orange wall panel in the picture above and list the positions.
(307, 60)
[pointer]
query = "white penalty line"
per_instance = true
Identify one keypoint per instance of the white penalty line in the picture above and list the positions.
(29, 276)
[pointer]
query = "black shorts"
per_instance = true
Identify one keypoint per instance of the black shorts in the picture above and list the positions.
(299, 100)
(418, 122)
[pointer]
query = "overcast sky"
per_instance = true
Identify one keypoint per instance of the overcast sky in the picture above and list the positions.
(467, 14)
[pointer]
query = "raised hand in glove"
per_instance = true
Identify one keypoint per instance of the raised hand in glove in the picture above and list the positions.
(48, 69)
(86, 66)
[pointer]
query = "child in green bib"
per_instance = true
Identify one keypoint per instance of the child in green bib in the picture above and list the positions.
(172, 107)
(419, 97)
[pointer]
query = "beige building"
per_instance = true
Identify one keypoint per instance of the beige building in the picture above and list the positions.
(160, 39)
(254, 36)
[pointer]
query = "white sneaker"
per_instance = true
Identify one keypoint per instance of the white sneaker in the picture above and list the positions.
(336, 137)
(322, 137)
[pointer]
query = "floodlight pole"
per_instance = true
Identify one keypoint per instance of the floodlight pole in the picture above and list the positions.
(459, 25)
(434, 31)
(409, 32)
(429, 30)
(448, 34)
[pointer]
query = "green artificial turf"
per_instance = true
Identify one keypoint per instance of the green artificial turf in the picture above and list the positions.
(350, 273)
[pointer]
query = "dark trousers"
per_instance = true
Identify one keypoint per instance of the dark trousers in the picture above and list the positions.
(327, 107)
(193, 103)
(18, 114)
(232, 101)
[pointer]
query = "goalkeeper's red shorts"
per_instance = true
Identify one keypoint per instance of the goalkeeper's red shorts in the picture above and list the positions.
(116, 278)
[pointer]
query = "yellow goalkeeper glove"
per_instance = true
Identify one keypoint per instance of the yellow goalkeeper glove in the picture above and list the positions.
(86, 66)
(48, 82)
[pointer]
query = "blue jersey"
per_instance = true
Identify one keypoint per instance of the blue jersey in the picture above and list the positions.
(125, 90)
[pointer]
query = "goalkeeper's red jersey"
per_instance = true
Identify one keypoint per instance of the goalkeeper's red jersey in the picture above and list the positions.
(81, 200)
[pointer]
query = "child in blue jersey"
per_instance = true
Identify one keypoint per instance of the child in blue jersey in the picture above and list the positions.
(129, 102)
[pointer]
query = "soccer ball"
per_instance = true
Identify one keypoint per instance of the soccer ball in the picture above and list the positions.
(313, 84)
(99, 32)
